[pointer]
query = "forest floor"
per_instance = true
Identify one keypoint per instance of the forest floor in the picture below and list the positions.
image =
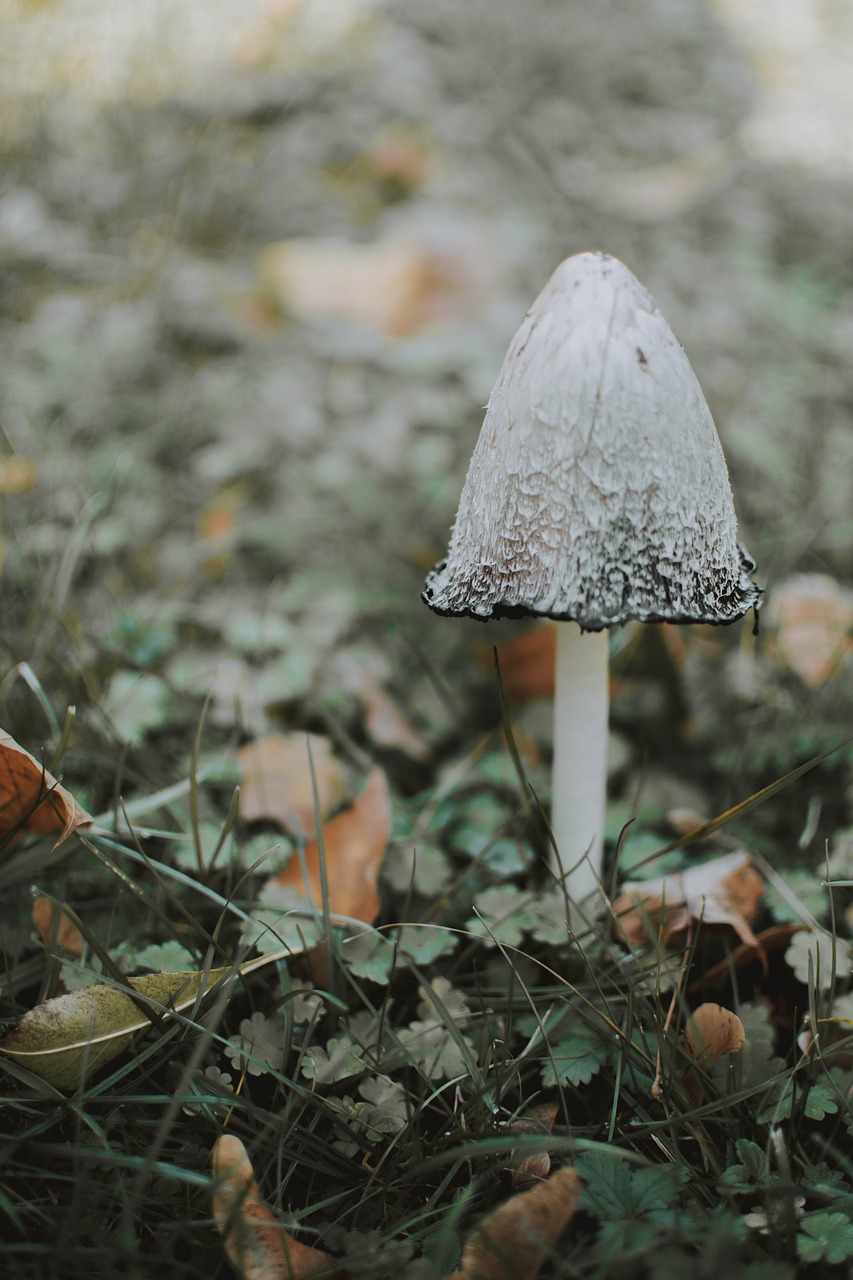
(258, 280)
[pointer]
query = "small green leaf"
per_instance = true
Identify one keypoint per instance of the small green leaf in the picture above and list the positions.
(825, 1237)
(753, 1169)
(828, 957)
(341, 1058)
(260, 1046)
(574, 1060)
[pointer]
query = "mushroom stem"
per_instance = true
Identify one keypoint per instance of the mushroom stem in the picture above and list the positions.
(580, 756)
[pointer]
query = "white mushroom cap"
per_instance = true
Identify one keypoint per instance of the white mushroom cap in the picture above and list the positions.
(598, 489)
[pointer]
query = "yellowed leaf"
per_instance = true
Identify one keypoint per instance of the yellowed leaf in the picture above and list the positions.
(712, 1031)
(812, 620)
(31, 799)
(515, 1241)
(725, 891)
(258, 1247)
(275, 780)
(65, 1040)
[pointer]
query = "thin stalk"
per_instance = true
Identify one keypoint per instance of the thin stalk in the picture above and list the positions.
(581, 703)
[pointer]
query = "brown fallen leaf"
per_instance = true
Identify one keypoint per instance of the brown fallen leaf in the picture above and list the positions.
(527, 663)
(429, 270)
(776, 938)
(61, 932)
(712, 1031)
(218, 526)
(364, 677)
(812, 620)
(530, 1169)
(724, 892)
(258, 1247)
(515, 1241)
(18, 474)
(31, 799)
(275, 780)
(354, 842)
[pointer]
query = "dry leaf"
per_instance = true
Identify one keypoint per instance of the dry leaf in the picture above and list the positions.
(275, 780)
(31, 799)
(776, 938)
(813, 617)
(18, 474)
(536, 1167)
(355, 842)
(258, 1247)
(218, 527)
(363, 676)
(65, 1039)
(712, 1031)
(526, 663)
(56, 933)
(515, 1241)
(433, 271)
(723, 892)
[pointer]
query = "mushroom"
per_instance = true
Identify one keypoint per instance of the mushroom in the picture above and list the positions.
(597, 493)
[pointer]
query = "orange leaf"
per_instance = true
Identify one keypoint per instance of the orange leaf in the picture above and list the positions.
(31, 799)
(275, 780)
(814, 625)
(712, 1031)
(257, 1246)
(526, 664)
(63, 933)
(515, 1241)
(355, 843)
(725, 891)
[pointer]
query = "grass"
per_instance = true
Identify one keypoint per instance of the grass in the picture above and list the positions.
(386, 1090)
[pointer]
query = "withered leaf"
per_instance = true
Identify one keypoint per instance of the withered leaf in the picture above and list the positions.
(275, 780)
(354, 842)
(67, 1038)
(31, 799)
(527, 663)
(725, 891)
(813, 617)
(712, 1031)
(60, 932)
(258, 1247)
(515, 1241)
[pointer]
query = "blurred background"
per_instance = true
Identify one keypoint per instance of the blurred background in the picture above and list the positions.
(261, 260)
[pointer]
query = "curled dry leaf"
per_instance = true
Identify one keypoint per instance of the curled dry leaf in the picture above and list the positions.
(55, 926)
(712, 1031)
(354, 843)
(723, 892)
(65, 1039)
(515, 1241)
(275, 780)
(533, 1168)
(813, 617)
(527, 663)
(257, 1246)
(31, 799)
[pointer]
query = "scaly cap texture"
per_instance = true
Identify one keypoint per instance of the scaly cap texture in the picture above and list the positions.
(597, 490)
